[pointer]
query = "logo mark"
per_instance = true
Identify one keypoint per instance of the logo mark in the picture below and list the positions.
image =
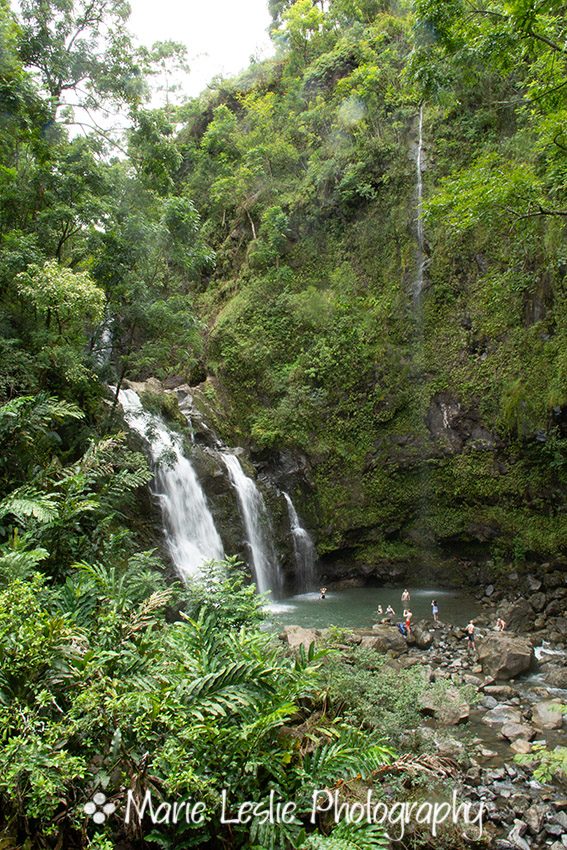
(98, 809)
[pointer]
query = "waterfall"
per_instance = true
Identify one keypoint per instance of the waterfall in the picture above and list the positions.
(303, 549)
(190, 532)
(257, 525)
(418, 286)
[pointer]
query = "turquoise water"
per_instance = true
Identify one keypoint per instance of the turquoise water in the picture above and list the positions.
(356, 607)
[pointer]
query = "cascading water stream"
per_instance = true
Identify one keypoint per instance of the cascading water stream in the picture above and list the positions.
(418, 286)
(190, 531)
(303, 548)
(257, 525)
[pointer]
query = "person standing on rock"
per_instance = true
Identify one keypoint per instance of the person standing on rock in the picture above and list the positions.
(408, 615)
(435, 610)
(470, 636)
(405, 597)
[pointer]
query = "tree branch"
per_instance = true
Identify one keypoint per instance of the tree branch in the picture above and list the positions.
(537, 213)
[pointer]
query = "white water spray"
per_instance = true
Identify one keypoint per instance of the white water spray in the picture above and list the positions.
(256, 523)
(303, 548)
(190, 532)
(418, 286)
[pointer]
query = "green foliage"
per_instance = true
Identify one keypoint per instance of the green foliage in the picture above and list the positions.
(366, 691)
(207, 696)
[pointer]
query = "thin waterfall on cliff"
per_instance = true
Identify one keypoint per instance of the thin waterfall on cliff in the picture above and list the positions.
(303, 549)
(257, 525)
(190, 531)
(418, 286)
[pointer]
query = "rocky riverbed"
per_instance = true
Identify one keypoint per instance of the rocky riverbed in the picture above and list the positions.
(501, 701)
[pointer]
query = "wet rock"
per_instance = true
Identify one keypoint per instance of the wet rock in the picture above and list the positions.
(546, 715)
(489, 702)
(489, 590)
(297, 636)
(504, 655)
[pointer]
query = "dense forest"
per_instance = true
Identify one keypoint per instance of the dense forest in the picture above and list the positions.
(356, 253)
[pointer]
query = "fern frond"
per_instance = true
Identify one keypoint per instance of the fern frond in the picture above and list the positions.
(26, 503)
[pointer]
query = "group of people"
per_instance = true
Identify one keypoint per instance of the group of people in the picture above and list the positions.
(405, 625)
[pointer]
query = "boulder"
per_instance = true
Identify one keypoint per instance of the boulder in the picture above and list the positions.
(538, 601)
(385, 639)
(513, 731)
(519, 615)
(502, 715)
(547, 715)
(521, 747)
(555, 677)
(297, 636)
(504, 655)
(447, 707)
(422, 635)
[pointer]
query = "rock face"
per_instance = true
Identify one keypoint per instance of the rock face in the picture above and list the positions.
(504, 656)
(547, 715)
(385, 639)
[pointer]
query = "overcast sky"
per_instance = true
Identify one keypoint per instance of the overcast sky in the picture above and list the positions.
(221, 35)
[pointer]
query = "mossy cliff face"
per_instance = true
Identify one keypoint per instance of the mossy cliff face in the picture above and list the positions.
(431, 431)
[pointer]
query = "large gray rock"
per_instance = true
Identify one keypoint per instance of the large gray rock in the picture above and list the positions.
(547, 715)
(519, 615)
(422, 635)
(503, 655)
(448, 708)
(385, 639)
(555, 677)
(297, 636)
(502, 715)
(513, 731)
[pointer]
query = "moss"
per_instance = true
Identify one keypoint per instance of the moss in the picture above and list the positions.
(164, 404)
